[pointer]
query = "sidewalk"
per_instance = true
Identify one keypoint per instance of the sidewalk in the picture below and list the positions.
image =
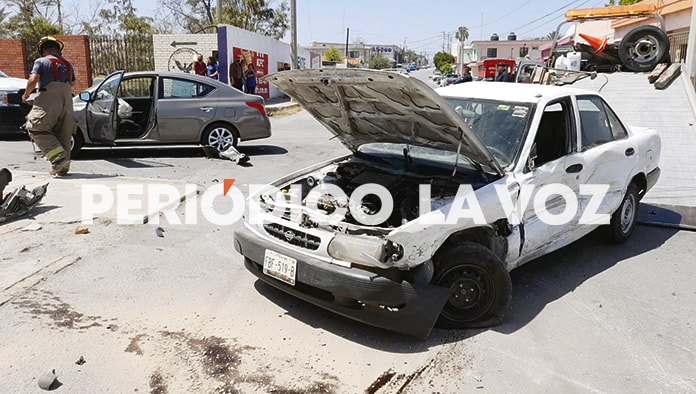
(672, 113)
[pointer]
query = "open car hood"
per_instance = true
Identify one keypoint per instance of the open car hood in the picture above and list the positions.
(365, 106)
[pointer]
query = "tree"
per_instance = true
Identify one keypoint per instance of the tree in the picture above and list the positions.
(259, 16)
(332, 55)
(446, 69)
(462, 34)
(119, 18)
(441, 58)
(378, 62)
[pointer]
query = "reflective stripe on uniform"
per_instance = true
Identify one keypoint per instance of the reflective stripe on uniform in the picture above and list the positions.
(54, 152)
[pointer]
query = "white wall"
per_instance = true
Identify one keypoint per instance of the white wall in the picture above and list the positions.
(204, 44)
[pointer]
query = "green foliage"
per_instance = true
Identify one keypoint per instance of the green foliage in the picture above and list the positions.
(462, 33)
(259, 16)
(446, 69)
(441, 58)
(378, 62)
(332, 55)
(411, 56)
(119, 18)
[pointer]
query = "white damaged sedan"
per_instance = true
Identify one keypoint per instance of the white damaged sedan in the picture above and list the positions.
(445, 193)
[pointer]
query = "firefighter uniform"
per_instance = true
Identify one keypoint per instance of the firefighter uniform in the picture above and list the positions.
(50, 121)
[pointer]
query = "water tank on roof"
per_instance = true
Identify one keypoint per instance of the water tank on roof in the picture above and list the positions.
(512, 36)
(494, 37)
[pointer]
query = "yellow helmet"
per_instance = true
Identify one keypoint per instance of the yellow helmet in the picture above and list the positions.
(49, 39)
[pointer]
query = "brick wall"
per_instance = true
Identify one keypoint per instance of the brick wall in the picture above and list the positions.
(12, 55)
(76, 51)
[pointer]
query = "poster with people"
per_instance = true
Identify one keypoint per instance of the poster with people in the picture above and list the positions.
(260, 65)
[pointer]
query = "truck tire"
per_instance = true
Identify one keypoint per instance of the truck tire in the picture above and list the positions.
(643, 48)
(480, 284)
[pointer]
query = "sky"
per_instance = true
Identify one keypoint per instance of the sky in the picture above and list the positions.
(423, 26)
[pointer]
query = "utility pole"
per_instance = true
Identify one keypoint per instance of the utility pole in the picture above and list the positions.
(60, 15)
(347, 38)
(219, 10)
(293, 34)
(443, 41)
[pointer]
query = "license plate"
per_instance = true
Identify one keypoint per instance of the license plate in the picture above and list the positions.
(279, 266)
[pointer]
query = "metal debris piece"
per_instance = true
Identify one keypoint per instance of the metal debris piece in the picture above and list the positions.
(20, 201)
(80, 361)
(47, 380)
(160, 232)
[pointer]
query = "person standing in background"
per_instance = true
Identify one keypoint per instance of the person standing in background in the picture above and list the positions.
(212, 68)
(250, 83)
(237, 73)
(198, 65)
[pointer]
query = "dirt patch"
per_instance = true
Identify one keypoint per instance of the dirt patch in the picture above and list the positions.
(381, 380)
(219, 362)
(157, 384)
(284, 111)
(134, 345)
(61, 313)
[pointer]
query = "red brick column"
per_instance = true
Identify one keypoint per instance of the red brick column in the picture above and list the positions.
(12, 55)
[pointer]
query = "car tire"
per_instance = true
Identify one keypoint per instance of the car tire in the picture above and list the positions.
(220, 136)
(643, 48)
(623, 220)
(480, 283)
(77, 141)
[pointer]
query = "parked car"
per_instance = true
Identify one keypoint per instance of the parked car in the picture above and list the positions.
(12, 112)
(419, 223)
(167, 108)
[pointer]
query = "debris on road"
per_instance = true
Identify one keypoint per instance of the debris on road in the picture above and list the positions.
(160, 232)
(80, 361)
(82, 230)
(20, 201)
(48, 381)
(231, 153)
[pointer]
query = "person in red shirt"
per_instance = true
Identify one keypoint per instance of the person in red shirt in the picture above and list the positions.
(199, 66)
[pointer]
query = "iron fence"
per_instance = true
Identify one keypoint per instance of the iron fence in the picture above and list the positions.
(130, 53)
(677, 47)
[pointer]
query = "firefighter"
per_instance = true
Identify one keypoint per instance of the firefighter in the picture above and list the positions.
(50, 122)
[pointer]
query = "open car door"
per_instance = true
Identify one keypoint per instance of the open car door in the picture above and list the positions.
(101, 111)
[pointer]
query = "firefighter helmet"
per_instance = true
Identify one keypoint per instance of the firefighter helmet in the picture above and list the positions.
(49, 41)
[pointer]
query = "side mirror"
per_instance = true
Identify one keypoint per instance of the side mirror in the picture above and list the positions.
(532, 157)
(85, 96)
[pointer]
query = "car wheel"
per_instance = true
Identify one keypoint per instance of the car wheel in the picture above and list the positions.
(480, 285)
(220, 136)
(643, 48)
(623, 220)
(77, 141)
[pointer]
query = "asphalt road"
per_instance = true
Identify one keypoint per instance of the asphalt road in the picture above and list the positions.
(180, 313)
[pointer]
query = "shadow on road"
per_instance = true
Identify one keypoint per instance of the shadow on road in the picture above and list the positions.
(548, 278)
(535, 285)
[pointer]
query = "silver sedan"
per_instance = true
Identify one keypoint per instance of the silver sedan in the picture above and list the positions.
(148, 108)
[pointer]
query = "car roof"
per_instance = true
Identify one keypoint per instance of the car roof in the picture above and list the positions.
(510, 92)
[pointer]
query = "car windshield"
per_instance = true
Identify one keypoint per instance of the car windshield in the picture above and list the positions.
(501, 126)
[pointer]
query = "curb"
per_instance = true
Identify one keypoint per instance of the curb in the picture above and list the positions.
(274, 108)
